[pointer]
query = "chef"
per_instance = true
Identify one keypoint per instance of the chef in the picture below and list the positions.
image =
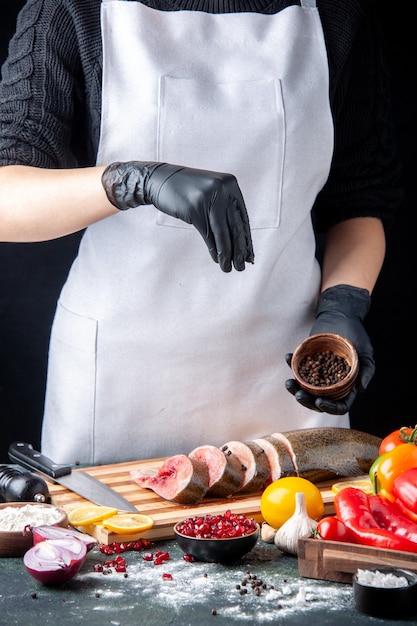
(202, 145)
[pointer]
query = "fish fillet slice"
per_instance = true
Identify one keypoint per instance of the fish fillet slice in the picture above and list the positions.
(225, 473)
(179, 479)
(254, 463)
(280, 464)
(288, 447)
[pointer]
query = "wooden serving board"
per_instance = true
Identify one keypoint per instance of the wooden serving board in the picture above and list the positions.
(337, 561)
(165, 514)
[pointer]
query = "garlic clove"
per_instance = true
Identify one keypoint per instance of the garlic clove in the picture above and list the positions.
(267, 533)
(298, 525)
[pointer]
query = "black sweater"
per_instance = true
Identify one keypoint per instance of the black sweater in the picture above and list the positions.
(50, 96)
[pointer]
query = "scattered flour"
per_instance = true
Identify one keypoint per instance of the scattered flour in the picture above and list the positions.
(195, 584)
(14, 519)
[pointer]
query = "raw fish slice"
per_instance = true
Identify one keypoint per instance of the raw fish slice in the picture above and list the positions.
(280, 463)
(180, 479)
(330, 452)
(254, 463)
(285, 444)
(225, 474)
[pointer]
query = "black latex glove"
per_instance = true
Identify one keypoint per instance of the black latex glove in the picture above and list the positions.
(341, 309)
(211, 201)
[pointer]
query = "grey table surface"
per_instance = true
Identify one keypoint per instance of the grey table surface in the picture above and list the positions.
(197, 593)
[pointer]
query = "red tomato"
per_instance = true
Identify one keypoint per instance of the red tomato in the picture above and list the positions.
(333, 529)
(398, 437)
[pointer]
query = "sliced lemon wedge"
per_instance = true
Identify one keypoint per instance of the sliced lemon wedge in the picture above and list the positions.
(363, 484)
(90, 514)
(128, 523)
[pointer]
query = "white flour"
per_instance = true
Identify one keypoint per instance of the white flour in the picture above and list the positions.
(14, 519)
(196, 584)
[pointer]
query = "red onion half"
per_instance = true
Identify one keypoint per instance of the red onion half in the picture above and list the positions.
(53, 561)
(40, 533)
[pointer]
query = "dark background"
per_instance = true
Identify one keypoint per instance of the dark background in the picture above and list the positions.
(31, 276)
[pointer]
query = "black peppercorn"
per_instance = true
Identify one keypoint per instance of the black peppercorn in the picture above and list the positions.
(323, 369)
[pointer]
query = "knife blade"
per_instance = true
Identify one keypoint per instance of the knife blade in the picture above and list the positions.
(79, 482)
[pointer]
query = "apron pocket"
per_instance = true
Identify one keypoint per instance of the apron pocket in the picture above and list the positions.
(236, 127)
(70, 397)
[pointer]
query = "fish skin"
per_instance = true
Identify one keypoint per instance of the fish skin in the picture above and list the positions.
(330, 452)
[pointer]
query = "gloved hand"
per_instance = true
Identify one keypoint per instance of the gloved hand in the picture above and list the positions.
(211, 201)
(341, 309)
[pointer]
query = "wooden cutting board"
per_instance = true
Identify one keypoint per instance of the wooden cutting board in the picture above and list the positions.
(165, 514)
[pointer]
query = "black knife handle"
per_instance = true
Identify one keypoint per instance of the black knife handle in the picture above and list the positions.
(24, 454)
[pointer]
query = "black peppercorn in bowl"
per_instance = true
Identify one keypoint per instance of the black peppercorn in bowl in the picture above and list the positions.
(325, 365)
(217, 538)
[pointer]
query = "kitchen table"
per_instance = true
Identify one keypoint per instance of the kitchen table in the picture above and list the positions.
(197, 593)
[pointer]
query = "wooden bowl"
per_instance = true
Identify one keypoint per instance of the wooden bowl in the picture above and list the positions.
(16, 543)
(217, 550)
(339, 383)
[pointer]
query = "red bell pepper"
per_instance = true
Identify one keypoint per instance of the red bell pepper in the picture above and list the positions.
(388, 516)
(403, 509)
(405, 489)
(352, 507)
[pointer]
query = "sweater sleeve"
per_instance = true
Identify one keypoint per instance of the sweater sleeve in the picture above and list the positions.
(365, 176)
(43, 119)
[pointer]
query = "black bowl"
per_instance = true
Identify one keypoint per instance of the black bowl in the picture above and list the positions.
(217, 550)
(387, 602)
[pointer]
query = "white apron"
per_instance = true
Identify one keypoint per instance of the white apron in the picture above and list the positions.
(155, 350)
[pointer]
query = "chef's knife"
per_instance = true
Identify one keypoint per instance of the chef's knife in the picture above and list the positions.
(79, 482)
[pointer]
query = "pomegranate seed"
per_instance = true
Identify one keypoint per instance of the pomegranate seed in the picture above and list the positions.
(120, 567)
(148, 556)
(217, 527)
(166, 576)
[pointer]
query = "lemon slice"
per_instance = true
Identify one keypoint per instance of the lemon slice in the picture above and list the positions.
(90, 514)
(363, 484)
(128, 523)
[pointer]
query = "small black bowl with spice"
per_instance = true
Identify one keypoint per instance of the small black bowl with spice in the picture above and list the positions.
(325, 365)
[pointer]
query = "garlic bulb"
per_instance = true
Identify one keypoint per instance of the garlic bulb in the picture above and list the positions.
(298, 525)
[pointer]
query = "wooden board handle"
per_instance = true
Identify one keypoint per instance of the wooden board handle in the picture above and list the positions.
(336, 560)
